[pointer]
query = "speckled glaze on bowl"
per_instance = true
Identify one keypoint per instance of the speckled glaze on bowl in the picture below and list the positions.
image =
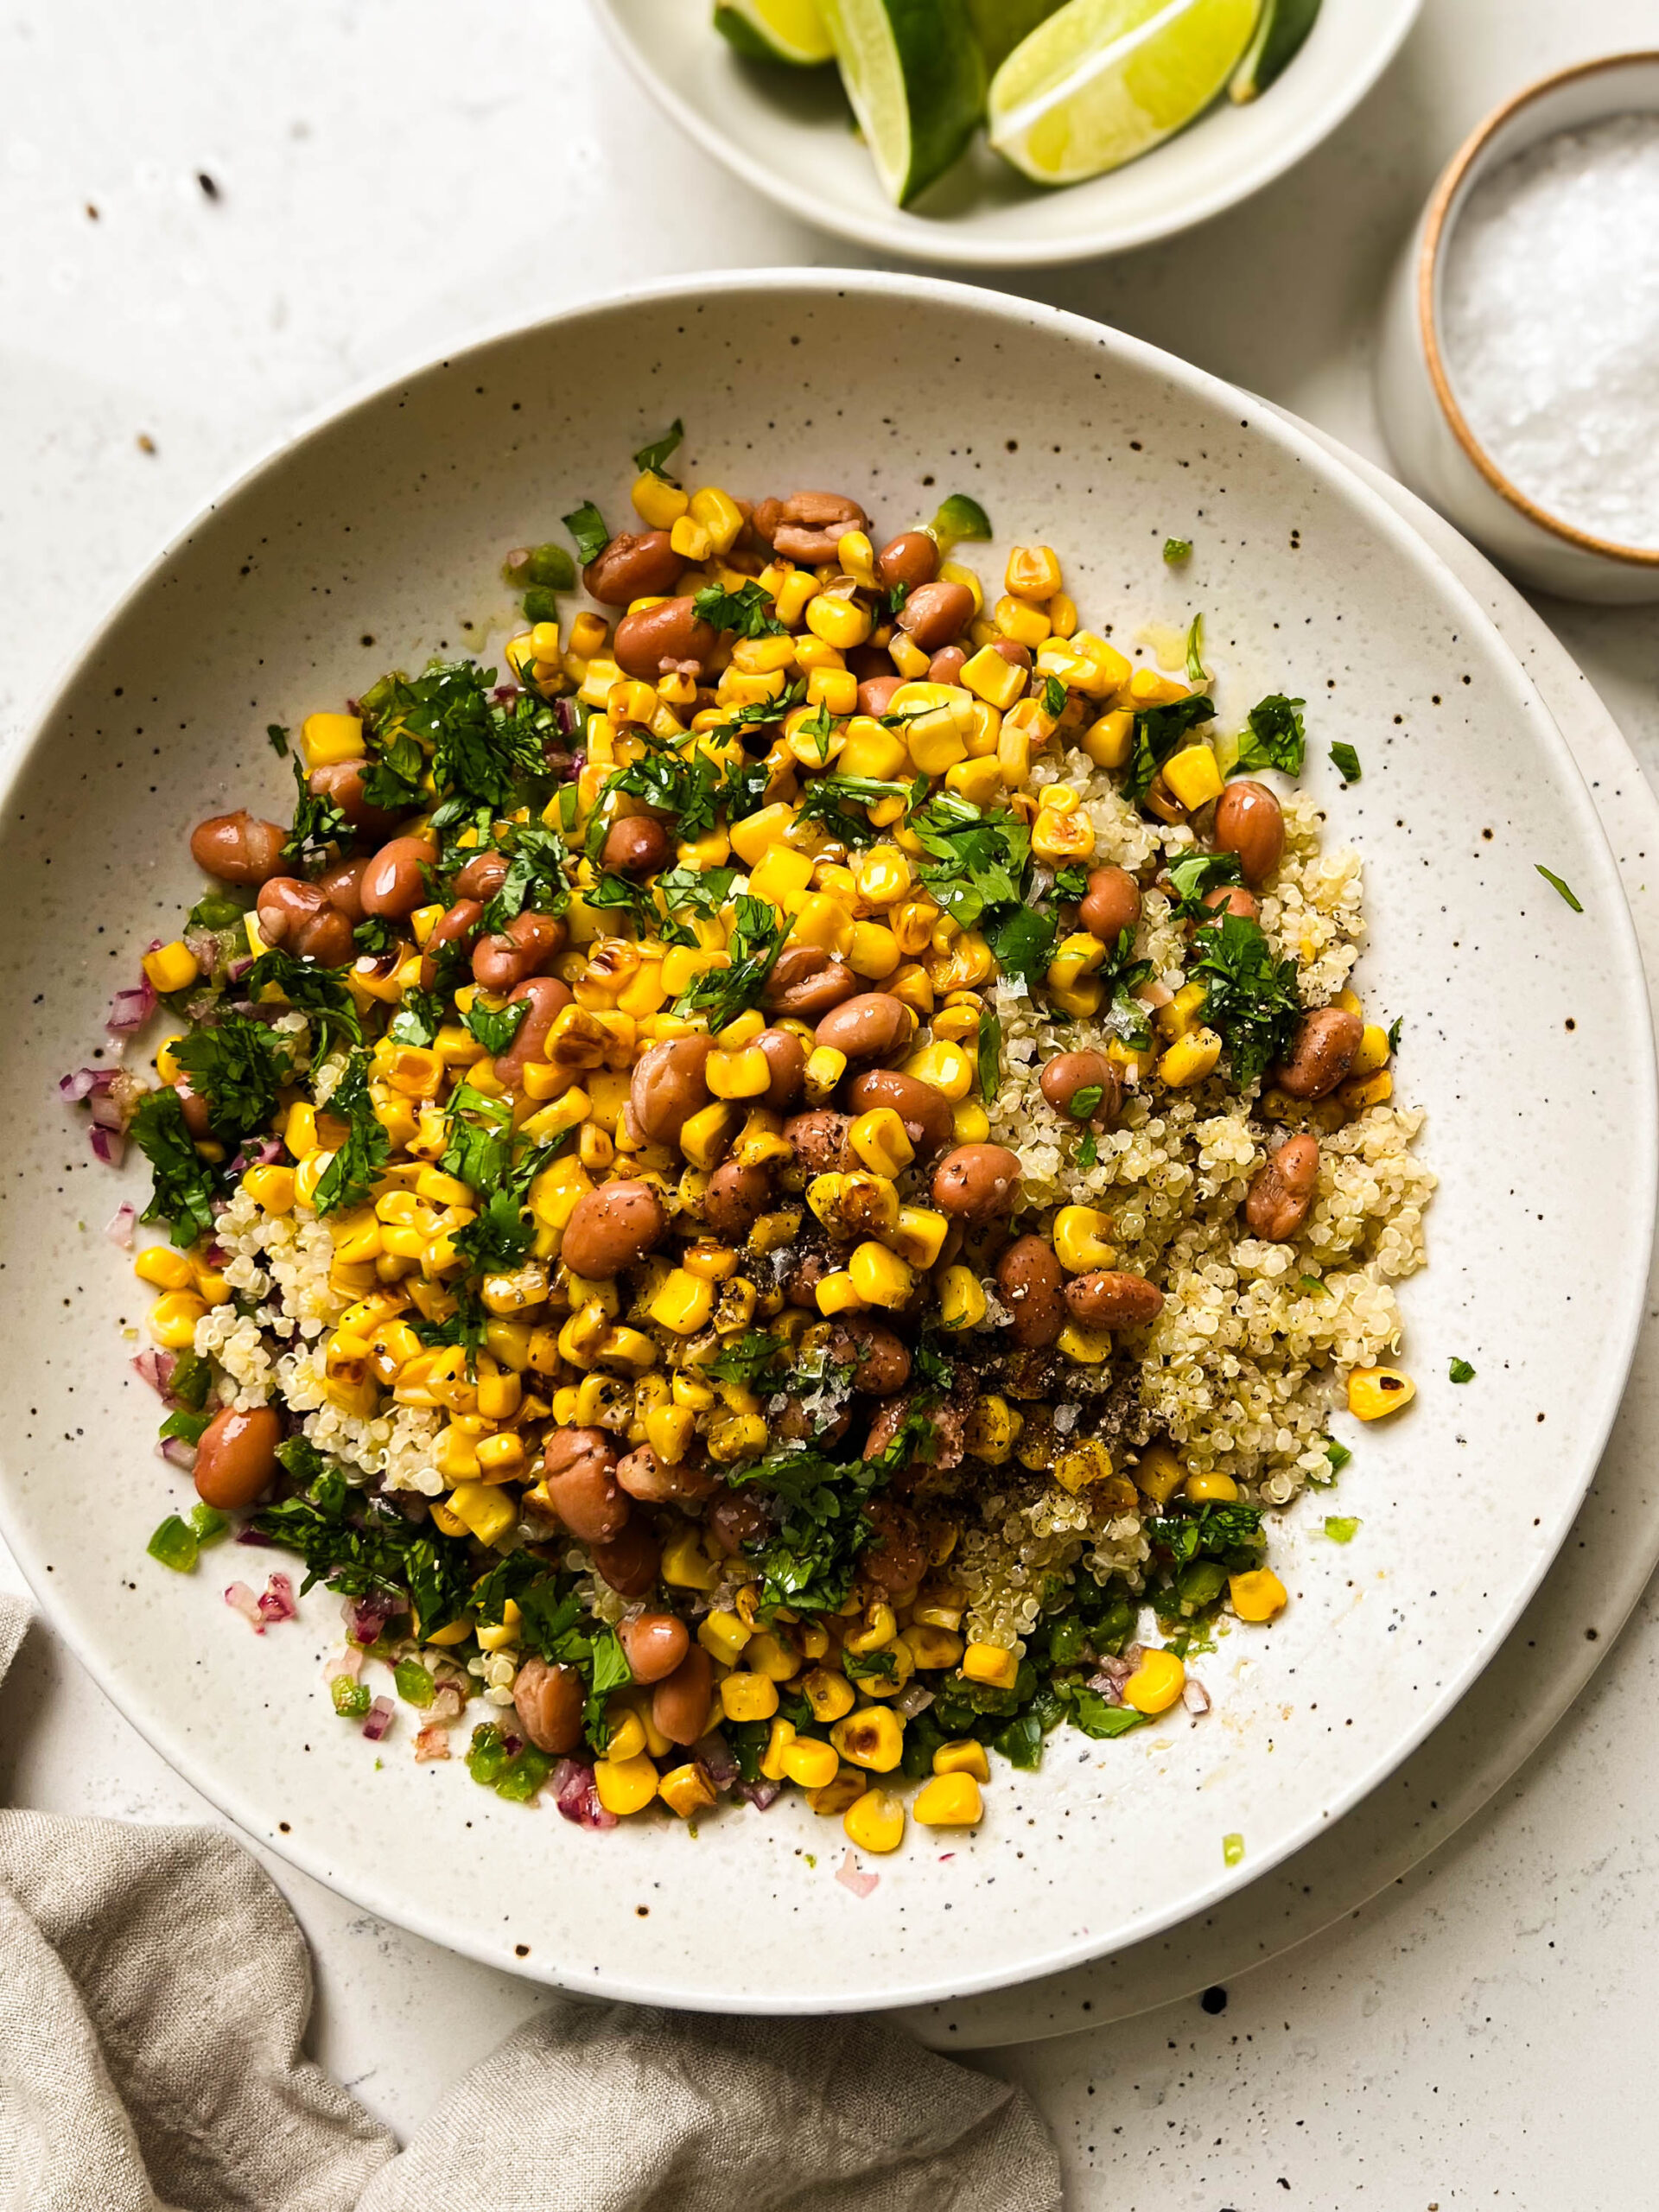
(376, 540)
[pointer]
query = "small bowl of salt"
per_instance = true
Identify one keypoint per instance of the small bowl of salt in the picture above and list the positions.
(1518, 366)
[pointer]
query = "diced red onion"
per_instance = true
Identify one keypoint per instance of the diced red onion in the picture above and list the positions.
(914, 1698)
(504, 694)
(348, 1661)
(511, 1744)
(576, 1795)
(853, 1877)
(178, 1454)
(432, 1742)
(155, 1368)
(379, 1718)
(759, 1794)
(236, 969)
(241, 1600)
(120, 1226)
(447, 1699)
(110, 1145)
(250, 1535)
(1194, 1696)
(72, 1088)
(106, 1109)
(131, 1009)
(567, 714)
(1107, 1686)
(277, 1604)
(365, 1617)
(717, 1755)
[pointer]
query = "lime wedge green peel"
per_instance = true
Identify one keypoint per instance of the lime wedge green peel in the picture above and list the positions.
(998, 25)
(913, 74)
(776, 30)
(1104, 81)
(1279, 38)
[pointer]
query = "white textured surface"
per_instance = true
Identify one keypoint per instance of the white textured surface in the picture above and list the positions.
(1481, 2035)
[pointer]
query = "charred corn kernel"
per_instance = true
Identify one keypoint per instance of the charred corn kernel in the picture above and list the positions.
(1109, 741)
(1194, 776)
(1374, 1391)
(991, 1664)
(627, 1785)
(825, 1067)
(416, 1071)
(722, 1636)
(629, 1348)
(879, 1627)
(1258, 1595)
(992, 678)
(837, 1293)
(1156, 1682)
(657, 503)
(749, 1697)
(687, 1789)
(697, 1396)
(1062, 838)
(836, 1796)
(707, 1134)
(172, 1320)
(782, 1736)
(810, 1763)
(873, 1738)
(1360, 1091)
(781, 875)
(948, 1801)
(830, 1696)
(961, 1299)
(272, 1189)
(500, 1456)
(686, 1562)
(1083, 1347)
(879, 1139)
(1017, 619)
(962, 1756)
(945, 1066)
(840, 622)
(326, 739)
(486, 1510)
(875, 1821)
(172, 966)
(1081, 1239)
(720, 514)
(165, 1269)
(880, 1277)
(357, 1238)
(1190, 1058)
(1034, 572)
(930, 1646)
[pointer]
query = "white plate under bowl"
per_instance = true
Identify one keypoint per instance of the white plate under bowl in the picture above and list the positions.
(376, 540)
(786, 133)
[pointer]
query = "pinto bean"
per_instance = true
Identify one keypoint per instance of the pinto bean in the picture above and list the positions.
(1015, 654)
(636, 564)
(630, 1563)
(1281, 1193)
(342, 781)
(669, 1085)
(819, 1138)
(943, 1453)
(876, 694)
(342, 887)
(925, 1112)
(239, 847)
(869, 1026)
(198, 1117)
(643, 1475)
(503, 960)
(483, 875)
(977, 1182)
(637, 845)
(897, 1558)
(810, 525)
(679, 1705)
(1322, 1053)
(947, 664)
(579, 1468)
(805, 983)
(394, 882)
(1069, 1073)
(736, 1518)
(459, 925)
(653, 1644)
(299, 916)
(1030, 1281)
(549, 1701)
(612, 1228)
(1232, 898)
(669, 635)
(800, 1288)
(735, 1199)
(879, 1359)
(935, 614)
(785, 1059)
(237, 1457)
(1110, 1299)
(1250, 822)
(548, 999)
(1111, 903)
(910, 559)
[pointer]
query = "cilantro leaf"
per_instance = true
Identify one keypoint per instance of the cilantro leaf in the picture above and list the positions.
(586, 527)
(1195, 874)
(1394, 1027)
(1275, 738)
(315, 991)
(1158, 732)
(1338, 1454)
(237, 1066)
(748, 611)
(358, 1547)
(754, 1354)
(1346, 762)
(495, 1028)
(395, 778)
(277, 738)
(1251, 998)
(1088, 1151)
(181, 1196)
(1023, 941)
(481, 749)
(318, 822)
(991, 1055)
(1565, 889)
(758, 937)
(418, 1020)
(350, 1176)
(1071, 882)
(650, 458)
(1054, 697)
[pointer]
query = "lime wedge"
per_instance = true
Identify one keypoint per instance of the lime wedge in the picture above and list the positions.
(998, 25)
(913, 74)
(776, 30)
(959, 518)
(1279, 38)
(1104, 81)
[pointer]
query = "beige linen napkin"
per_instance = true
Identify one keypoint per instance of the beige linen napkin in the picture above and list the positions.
(154, 1993)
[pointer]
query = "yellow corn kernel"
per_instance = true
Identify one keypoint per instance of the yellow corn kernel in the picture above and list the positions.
(829, 1695)
(669, 1431)
(657, 503)
(171, 966)
(782, 1736)
(798, 588)
(936, 742)
(1184, 1013)
(992, 1664)
(875, 1821)
(1375, 1391)
(749, 1697)
(172, 1320)
(781, 875)
(907, 656)
(1360, 1091)
(970, 1122)
(589, 632)
(977, 781)
(707, 1135)
(628, 1737)
(486, 1510)
(961, 1299)
(1209, 1487)
(743, 1074)
(325, 740)
(1373, 1052)
(825, 1067)
(1081, 1239)
(456, 1453)
(933, 1647)
(880, 1277)
(960, 1019)
(840, 622)
(881, 874)
(720, 514)
(945, 1066)
(767, 1653)
(836, 1796)
(504, 1634)
(690, 539)
(837, 1293)
(1085, 1347)
(879, 1139)
(948, 1801)
(1026, 625)
(990, 676)
(733, 1437)
(687, 1789)
(873, 1738)
(964, 1756)
(625, 1785)
(870, 750)
(918, 1236)
(1061, 835)
(1109, 741)
(165, 1269)
(1190, 1058)
(1194, 777)
(993, 1430)
(752, 835)
(857, 558)
(723, 1636)
(835, 689)
(686, 1563)
(810, 1763)
(499, 1456)
(1156, 1682)
(1258, 1595)
(1034, 572)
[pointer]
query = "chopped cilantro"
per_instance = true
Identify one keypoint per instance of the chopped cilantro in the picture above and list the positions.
(722, 994)
(1071, 882)
(350, 1176)
(991, 1055)
(535, 876)
(976, 861)
(748, 611)
(1023, 941)
(481, 749)
(480, 1134)
(395, 779)
(752, 1356)
(1088, 1151)
(1311, 1287)
(418, 1020)
(318, 822)
(356, 1545)
(1251, 997)
(236, 1066)
(1340, 1529)
(1394, 1027)
(1054, 696)
(1195, 875)
(652, 458)
(552, 1625)
(1460, 1372)
(586, 527)
(1088, 1710)
(277, 738)
(1195, 673)
(1275, 738)
(315, 991)
(840, 803)
(1563, 888)
(1082, 1103)
(496, 1028)
(867, 1666)
(1158, 732)
(1338, 1454)
(1346, 762)
(1178, 548)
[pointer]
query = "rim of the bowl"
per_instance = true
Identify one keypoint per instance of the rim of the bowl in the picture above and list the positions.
(363, 1885)
(1434, 240)
(918, 237)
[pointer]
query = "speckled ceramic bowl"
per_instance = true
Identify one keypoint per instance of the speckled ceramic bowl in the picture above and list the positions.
(375, 539)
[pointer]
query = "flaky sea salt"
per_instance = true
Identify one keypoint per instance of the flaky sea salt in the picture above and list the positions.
(1550, 323)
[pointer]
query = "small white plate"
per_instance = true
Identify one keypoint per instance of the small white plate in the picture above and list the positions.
(788, 133)
(376, 540)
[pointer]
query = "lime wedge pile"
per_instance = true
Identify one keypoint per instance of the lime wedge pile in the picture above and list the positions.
(776, 30)
(1104, 81)
(915, 76)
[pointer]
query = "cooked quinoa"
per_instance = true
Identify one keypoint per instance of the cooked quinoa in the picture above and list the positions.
(782, 1198)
